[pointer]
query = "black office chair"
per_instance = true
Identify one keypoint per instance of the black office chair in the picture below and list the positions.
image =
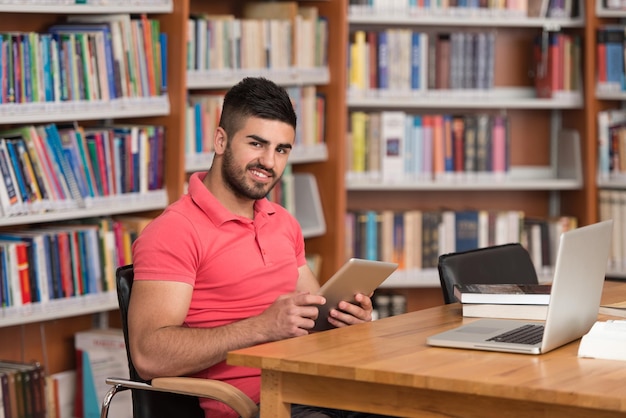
(168, 397)
(498, 264)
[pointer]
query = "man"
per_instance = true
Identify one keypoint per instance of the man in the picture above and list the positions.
(223, 268)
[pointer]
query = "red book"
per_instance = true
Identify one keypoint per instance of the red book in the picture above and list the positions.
(102, 164)
(458, 135)
(372, 65)
(555, 61)
(22, 269)
(543, 85)
(438, 145)
(65, 258)
(146, 26)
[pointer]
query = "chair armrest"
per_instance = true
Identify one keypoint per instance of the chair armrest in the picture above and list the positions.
(205, 388)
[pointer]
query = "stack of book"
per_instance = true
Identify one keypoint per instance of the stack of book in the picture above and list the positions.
(511, 301)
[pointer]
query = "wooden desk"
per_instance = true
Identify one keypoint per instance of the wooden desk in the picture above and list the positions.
(386, 367)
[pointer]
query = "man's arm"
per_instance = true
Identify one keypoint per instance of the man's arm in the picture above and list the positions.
(161, 346)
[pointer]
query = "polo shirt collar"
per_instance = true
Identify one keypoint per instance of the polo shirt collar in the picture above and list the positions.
(214, 209)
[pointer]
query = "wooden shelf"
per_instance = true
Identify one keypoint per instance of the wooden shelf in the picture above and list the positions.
(460, 18)
(497, 98)
(83, 110)
(95, 7)
(132, 202)
(286, 77)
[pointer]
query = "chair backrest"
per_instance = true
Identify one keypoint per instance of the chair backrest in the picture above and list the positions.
(146, 403)
(506, 264)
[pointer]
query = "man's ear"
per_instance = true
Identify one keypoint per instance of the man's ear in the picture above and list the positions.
(219, 140)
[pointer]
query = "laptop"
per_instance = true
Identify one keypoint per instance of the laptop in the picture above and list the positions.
(581, 262)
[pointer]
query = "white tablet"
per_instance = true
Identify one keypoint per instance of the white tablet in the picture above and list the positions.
(356, 276)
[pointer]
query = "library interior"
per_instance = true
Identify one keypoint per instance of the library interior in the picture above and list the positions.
(424, 128)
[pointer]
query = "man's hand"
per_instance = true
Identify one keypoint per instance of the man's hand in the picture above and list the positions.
(291, 315)
(350, 313)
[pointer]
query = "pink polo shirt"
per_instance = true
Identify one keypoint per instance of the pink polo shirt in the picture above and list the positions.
(236, 265)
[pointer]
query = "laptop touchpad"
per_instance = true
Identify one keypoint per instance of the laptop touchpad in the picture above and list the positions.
(478, 330)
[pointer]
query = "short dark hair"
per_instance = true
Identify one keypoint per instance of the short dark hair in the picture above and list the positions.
(255, 97)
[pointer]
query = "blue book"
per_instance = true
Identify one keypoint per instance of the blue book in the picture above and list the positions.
(448, 146)
(383, 60)
(92, 148)
(163, 42)
(18, 171)
(4, 279)
(91, 401)
(48, 265)
(73, 160)
(398, 238)
(615, 55)
(466, 230)
(53, 139)
(417, 133)
(9, 95)
(17, 69)
(415, 60)
(48, 82)
(198, 115)
(86, 166)
(122, 151)
(27, 79)
(371, 235)
(7, 175)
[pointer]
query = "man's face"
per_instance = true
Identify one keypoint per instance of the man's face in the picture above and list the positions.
(256, 156)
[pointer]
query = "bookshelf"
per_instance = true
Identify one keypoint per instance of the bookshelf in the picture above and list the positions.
(214, 72)
(612, 186)
(45, 333)
(549, 171)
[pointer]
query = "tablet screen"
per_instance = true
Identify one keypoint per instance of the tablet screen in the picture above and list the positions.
(355, 276)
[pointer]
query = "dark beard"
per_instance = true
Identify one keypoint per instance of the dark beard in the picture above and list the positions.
(235, 180)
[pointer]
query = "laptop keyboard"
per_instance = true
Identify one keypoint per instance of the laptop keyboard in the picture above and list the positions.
(526, 334)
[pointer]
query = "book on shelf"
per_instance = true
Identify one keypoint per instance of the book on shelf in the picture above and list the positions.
(529, 294)
(392, 136)
(61, 394)
(100, 353)
(505, 310)
(605, 340)
(26, 389)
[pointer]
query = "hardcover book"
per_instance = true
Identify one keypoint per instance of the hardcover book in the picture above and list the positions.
(528, 294)
(505, 310)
